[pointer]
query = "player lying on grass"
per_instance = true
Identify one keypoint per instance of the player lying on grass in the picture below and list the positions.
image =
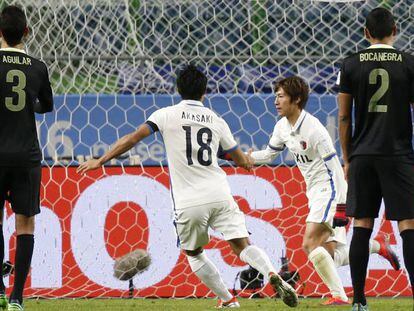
(201, 194)
(309, 142)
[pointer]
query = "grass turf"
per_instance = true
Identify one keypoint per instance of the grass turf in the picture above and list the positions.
(201, 304)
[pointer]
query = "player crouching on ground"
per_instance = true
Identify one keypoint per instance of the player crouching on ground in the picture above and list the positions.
(308, 140)
(201, 195)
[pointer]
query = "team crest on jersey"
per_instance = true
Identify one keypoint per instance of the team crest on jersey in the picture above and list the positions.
(303, 144)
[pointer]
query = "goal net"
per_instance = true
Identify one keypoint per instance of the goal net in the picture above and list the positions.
(112, 63)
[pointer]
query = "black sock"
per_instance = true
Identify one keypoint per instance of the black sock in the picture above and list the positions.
(2, 287)
(358, 261)
(408, 251)
(23, 258)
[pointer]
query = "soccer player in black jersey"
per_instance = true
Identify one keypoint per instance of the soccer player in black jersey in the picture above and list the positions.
(24, 90)
(378, 83)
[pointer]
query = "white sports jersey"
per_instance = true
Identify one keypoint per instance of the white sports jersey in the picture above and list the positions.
(192, 134)
(313, 150)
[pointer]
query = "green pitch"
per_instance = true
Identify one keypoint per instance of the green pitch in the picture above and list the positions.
(200, 304)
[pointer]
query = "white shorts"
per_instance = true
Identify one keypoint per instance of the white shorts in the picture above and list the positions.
(192, 223)
(322, 204)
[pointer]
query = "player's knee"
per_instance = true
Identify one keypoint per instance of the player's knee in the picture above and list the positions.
(407, 224)
(238, 245)
(24, 224)
(309, 245)
(193, 253)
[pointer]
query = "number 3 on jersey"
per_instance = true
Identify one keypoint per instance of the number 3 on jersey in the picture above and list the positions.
(204, 145)
(18, 89)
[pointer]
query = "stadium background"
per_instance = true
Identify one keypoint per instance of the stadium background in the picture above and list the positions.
(112, 63)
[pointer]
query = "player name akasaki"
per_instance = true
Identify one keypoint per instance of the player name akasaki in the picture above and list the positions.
(19, 60)
(197, 117)
(380, 57)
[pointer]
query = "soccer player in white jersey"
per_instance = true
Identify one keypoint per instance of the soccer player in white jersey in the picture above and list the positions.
(308, 140)
(201, 195)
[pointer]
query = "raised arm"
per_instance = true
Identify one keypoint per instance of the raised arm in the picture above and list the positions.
(121, 146)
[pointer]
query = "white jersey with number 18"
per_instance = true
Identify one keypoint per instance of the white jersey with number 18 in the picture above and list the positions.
(192, 134)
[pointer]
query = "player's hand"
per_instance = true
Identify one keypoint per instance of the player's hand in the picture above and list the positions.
(340, 218)
(250, 158)
(346, 169)
(89, 165)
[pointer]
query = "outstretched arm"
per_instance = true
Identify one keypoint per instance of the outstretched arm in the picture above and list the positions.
(241, 159)
(121, 146)
(265, 156)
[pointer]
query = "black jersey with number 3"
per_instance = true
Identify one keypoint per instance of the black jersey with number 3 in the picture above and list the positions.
(24, 90)
(381, 82)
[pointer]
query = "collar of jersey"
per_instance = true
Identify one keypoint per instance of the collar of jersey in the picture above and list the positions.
(12, 50)
(381, 46)
(299, 122)
(192, 102)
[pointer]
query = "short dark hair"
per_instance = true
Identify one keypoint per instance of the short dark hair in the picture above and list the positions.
(191, 83)
(12, 24)
(380, 23)
(296, 88)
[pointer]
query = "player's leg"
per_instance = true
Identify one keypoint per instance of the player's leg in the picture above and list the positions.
(316, 235)
(258, 259)
(407, 234)
(338, 248)
(3, 298)
(192, 230)
(397, 181)
(207, 272)
(363, 203)
(24, 251)
(230, 221)
(3, 196)
(25, 202)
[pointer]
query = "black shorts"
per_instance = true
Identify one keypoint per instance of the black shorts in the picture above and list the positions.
(21, 187)
(373, 178)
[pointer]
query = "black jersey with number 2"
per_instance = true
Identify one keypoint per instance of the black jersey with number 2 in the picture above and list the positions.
(24, 90)
(381, 82)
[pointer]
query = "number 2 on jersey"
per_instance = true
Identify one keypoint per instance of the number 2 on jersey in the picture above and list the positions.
(385, 83)
(18, 89)
(204, 146)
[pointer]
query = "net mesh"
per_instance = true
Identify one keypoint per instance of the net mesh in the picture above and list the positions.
(112, 63)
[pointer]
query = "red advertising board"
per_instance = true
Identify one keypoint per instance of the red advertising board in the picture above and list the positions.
(88, 221)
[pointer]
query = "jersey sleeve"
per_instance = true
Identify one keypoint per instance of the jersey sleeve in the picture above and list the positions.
(157, 120)
(323, 144)
(227, 141)
(274, 148)
(275, 142)
(45, 97)
(344, 80)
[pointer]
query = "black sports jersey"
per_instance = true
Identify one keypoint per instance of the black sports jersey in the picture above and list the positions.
(381, 82)
(24, 89)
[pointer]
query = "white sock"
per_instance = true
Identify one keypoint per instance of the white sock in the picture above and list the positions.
(325, 266)
(374, 247)
(341, 256)
(207, 272)
(258, 259)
